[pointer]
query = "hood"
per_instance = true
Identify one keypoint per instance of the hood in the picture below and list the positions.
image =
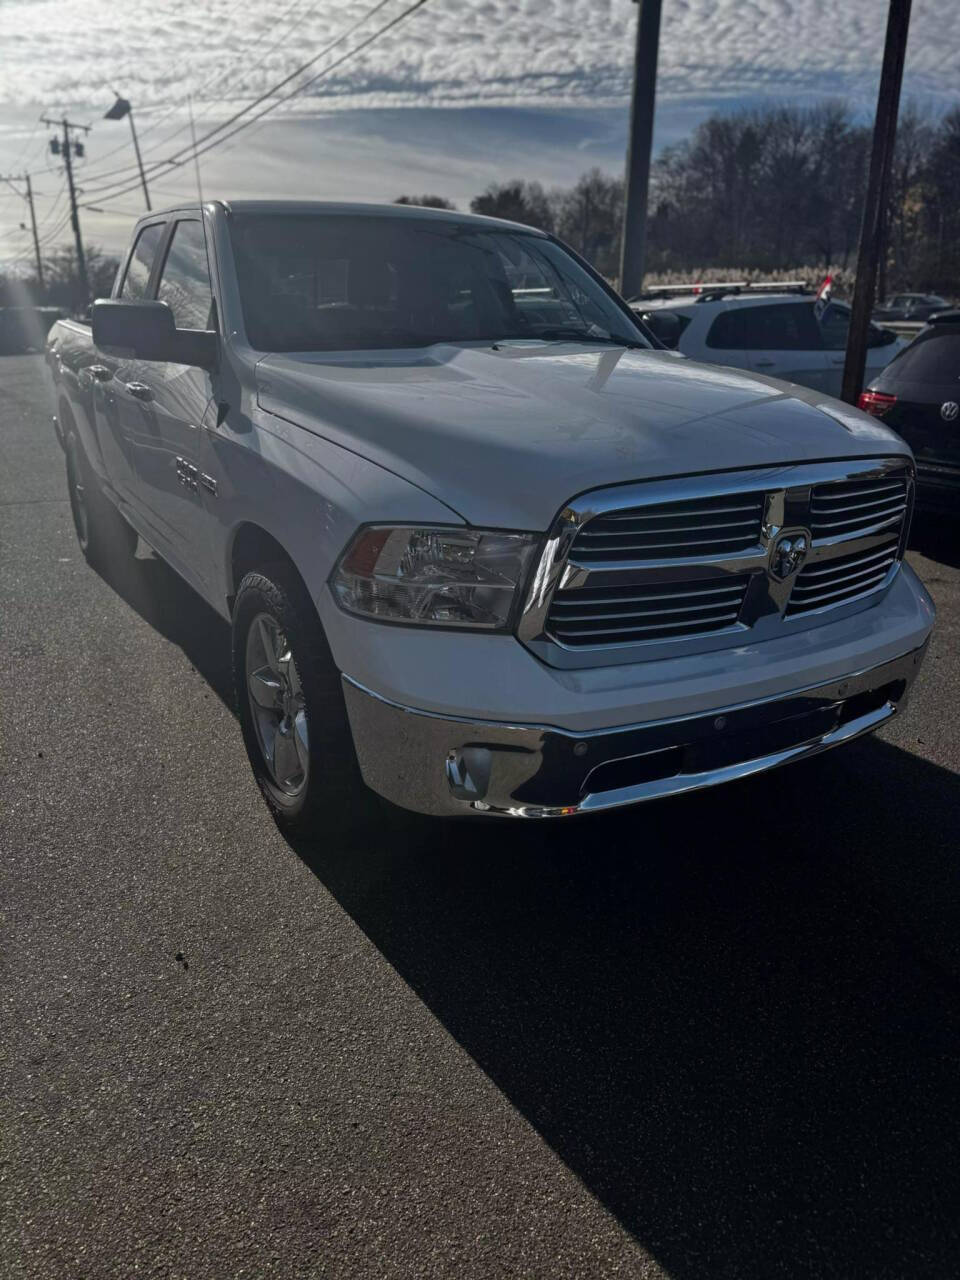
(506, 436)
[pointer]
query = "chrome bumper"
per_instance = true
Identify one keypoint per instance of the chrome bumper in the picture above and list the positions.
(445, 766)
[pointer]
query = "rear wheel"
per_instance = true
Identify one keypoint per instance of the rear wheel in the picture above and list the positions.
(292, 711)
(103, 534)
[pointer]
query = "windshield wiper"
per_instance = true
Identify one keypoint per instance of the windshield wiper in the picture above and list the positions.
(577, 335)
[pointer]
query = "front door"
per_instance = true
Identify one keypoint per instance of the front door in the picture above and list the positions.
(110, 376)
(167, 405)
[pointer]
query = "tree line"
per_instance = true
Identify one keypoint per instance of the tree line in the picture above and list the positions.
(772, 191)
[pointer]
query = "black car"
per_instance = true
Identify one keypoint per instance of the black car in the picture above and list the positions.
(918, 394)
(910, 306)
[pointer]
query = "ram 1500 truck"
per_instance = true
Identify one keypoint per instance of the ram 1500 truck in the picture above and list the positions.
(481, 543)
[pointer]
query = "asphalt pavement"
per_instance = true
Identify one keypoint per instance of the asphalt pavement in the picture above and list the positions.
(714, 1037)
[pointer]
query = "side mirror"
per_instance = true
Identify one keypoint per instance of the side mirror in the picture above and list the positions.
(146, 331)
(877, 337)
(664, 325)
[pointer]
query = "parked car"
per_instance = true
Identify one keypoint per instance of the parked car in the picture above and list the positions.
(481, 545)
(910, 306)
(918, 394)
(783, 335)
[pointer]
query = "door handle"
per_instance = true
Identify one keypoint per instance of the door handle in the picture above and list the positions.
(139, 390)
(765, 364)
(100, 372)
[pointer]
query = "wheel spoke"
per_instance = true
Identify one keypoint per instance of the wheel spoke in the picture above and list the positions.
(266, 689)
(301, 740)
(286, 763)
(293, 676)
(268, 640)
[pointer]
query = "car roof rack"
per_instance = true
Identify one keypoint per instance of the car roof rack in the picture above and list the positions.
(711, 290)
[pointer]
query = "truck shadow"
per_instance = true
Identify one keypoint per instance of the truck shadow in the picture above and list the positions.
(735, 1017)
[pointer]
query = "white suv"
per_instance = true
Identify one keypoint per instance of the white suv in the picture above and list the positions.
(778, 334)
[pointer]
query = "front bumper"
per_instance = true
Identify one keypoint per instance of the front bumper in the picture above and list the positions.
(441, 765)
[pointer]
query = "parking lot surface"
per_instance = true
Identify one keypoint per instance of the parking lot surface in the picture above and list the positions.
(713, 1037)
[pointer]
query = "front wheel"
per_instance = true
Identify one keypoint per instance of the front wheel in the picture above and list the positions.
(292, 711)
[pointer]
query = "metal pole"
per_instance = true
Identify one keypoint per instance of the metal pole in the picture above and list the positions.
(75, 219)
(33, 227)
(638, 149)
(136, 147)
(871, 228)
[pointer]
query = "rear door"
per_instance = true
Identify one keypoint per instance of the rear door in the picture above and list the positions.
(728, 338)
(171, 401)
(785, 342)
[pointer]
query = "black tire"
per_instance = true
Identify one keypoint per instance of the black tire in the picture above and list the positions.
(105, 538)
(332, 802)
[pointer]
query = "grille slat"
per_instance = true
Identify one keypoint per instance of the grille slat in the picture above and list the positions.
(659, 530)
(857, 506)
(670, 511)
(583, 617)
(664, 629)
(648, 597)
(824, 570)
(842, 579)
(721, 525)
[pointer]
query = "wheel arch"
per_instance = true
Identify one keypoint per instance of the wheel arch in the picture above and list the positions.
(251, 546)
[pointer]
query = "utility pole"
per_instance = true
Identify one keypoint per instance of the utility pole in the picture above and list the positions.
(120, 109)
(638, 148)
(878, 182)
(68, 149)
(33, 228)
(25, 177)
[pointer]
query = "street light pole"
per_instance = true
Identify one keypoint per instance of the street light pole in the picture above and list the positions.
(120, 109)
(638, 148)
(878, 182)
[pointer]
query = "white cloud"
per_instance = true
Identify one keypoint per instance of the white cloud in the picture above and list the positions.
(539, 86)
(551, 52)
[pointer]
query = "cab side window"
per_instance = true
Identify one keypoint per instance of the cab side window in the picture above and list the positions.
(185, 279)
(137, 276)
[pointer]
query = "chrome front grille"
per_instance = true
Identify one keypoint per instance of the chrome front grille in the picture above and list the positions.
(692, 564)
(858, 506)
(600, 615)
(717, 525)
(838, 581)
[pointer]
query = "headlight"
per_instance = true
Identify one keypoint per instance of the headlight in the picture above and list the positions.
(448, 577)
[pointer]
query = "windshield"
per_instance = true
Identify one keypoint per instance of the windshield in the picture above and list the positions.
(329, 282)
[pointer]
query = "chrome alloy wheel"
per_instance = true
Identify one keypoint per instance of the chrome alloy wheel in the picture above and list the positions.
(277, 705)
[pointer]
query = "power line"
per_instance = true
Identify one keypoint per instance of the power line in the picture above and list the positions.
(208, 89)
(184, 154)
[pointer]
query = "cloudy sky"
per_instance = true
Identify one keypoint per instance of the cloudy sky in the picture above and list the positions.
(461, 93)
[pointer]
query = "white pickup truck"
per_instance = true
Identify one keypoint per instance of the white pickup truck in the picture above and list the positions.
(481, 542)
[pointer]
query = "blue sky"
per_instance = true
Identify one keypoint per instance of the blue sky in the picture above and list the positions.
(463, 93)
